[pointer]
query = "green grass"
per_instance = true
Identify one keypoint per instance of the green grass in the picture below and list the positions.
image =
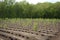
(26, 22)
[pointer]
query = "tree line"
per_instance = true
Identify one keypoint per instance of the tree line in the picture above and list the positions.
(12, 9)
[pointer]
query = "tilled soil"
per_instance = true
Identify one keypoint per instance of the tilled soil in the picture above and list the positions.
(49, 31)
(15, 34)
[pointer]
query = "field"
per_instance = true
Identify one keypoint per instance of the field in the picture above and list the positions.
(30, 28)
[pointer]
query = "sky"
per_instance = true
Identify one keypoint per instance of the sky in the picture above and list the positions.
(36, 1)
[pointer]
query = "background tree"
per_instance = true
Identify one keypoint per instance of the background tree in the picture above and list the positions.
(12, 9)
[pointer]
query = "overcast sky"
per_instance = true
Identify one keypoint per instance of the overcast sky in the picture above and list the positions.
(36, 1)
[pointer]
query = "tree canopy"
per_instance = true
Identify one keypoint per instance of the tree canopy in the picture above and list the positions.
(12, 9)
